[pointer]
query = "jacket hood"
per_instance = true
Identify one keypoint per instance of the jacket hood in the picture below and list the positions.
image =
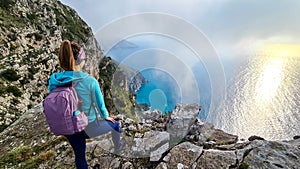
(65, 78)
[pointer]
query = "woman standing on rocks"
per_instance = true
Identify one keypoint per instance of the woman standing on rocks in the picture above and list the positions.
(72, 59)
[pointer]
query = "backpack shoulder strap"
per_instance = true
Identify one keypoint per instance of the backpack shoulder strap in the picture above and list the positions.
(93, 104)
(74, 84)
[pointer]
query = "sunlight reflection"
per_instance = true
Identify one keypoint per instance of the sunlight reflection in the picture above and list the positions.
(269, 80)
(264, 98)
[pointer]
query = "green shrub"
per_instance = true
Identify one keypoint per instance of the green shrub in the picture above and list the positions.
(32, 18)
(10, 74)
(2, 89)
(12, 36)
(33, 70)
(38, 36)
(6, 4)
(244, 166)
(14, 90)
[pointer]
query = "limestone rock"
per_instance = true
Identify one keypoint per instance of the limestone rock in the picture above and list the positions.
(273, 154)
(152, 115)
(184, 155)
(29, 142)
(153, 143)
(251, 138)
(181, 119)
(221, 137)
(212, 159)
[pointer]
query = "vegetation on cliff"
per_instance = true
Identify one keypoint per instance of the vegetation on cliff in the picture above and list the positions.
(114, 82)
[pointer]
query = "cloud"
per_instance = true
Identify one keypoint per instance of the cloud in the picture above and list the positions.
(232, 26)
(237, 24)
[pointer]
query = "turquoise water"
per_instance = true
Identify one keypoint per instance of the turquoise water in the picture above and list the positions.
(159, 92)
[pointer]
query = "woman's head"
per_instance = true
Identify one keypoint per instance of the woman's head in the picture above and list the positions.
(71, 55)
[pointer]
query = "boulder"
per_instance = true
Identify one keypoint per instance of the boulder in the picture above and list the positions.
(273, 154)
(180, 120)
(153, 144)
(251, 138)
(152, 115)
(183, 155)
(221, 137)
(212, 159)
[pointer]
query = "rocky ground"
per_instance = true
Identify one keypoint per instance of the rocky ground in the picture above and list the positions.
(179, 140)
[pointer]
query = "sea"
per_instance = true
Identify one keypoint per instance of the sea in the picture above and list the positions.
(262, 96)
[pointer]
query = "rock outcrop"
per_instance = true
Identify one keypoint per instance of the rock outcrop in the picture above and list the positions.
(148, 144)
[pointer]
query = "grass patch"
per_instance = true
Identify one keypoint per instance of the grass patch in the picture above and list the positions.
(8, 19)
(18, 155)
(25, 155)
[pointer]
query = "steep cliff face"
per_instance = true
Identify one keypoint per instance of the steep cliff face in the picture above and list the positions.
(30, 34)
(119, 84)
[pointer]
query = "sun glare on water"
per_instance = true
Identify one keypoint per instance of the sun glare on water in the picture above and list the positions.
(263, 99)
(269, 80)
(272, 72)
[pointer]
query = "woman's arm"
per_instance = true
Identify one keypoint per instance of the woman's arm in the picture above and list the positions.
(100, 100)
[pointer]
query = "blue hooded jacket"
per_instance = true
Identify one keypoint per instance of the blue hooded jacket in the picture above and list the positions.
(87, 88)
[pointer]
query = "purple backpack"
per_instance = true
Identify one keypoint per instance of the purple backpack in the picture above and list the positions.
(60, 107)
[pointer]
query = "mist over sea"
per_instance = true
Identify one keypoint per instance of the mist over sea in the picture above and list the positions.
(262, 93)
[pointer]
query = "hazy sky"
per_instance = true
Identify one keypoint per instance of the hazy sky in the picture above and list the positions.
(232, 26)
(220, 33)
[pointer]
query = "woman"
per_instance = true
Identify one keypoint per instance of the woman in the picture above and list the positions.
(72, 59)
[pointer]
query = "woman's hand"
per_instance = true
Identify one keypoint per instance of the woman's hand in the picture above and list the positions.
(110, 119)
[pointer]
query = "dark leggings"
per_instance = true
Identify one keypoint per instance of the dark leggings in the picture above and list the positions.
(78, 140)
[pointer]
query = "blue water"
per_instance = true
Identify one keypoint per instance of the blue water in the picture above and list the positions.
(159, 92)
(162, 91)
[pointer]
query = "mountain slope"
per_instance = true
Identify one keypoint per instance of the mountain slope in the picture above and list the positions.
(30, 34)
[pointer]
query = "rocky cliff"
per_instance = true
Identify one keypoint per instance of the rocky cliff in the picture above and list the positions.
(179, 140)
(30, 34)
